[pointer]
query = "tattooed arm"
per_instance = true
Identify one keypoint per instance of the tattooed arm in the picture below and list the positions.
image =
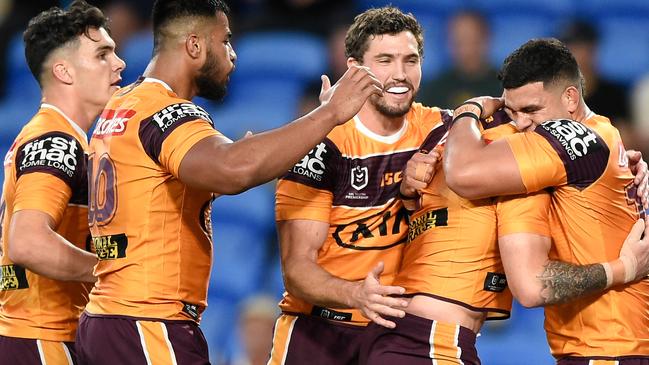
(535, 280)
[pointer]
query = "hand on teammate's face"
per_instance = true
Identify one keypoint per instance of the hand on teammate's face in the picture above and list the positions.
(346, 97)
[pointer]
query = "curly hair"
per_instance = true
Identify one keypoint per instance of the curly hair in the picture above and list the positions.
(373, 22)
(53, 28)
(165, 11)
(546, 60)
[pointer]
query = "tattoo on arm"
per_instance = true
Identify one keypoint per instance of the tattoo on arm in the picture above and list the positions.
(563, 282)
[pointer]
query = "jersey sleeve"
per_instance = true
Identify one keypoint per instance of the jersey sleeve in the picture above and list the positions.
(306, 190)
(51, 172)
(524, 214)
(43, 192)
(170, 133)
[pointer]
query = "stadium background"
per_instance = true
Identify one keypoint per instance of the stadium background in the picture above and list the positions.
(278, 64)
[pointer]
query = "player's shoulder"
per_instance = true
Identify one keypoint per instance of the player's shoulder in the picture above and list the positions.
(428, 116)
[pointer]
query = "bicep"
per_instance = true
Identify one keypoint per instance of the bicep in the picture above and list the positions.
(206, 165)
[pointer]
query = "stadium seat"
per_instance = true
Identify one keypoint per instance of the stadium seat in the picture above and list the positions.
(136, 52)
(604, 8)
(21, 85)
(417, 7)
(511, 31)
(552, 9)
(624, 48)
(285, 55)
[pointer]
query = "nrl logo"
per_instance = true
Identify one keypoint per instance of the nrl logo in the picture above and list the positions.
(360, 177)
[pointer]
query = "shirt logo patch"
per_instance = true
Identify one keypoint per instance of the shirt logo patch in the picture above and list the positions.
(110, 247)
(13, 277)
(575, 138)
(430, 219)
(312, 165)
(495, 282)
(360, 177)
(168, 116)
(112, 122)
(52, 151)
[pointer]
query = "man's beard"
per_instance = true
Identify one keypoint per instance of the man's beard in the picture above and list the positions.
(391, 111)
(208, 88)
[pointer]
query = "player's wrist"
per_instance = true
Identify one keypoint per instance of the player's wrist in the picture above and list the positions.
(411, 203)
(620, 271)
(470, 109)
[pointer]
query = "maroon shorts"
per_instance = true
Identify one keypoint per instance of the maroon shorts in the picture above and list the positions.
(27, 351)
(623, 360)
(105, 340)
(418, 340)
(304, 339)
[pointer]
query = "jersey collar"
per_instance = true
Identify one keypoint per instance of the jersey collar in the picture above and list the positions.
(157, 81)
(391, 139)
(72, 123)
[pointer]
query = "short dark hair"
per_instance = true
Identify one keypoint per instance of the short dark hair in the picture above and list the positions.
(546, 60)
(165, 11)
(372, 22)
(56, 27)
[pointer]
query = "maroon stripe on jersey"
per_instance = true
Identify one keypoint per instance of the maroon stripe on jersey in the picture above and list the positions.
(409, 343)
(433, 138)
(156, 128)
(369, 181)
(583, 152)
(622, 360)
(318, 169)
(317, 341)
(55, 153)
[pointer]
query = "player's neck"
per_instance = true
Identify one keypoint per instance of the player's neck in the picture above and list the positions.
(80, 112)
(379, 123)
(167, 68)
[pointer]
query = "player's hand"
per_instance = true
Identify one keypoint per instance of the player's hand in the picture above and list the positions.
(346, 97)
(374, 301)
(636, 250)
(638, 167)
(419, 172)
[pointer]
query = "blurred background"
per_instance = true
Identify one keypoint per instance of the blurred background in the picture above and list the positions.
(283, 46)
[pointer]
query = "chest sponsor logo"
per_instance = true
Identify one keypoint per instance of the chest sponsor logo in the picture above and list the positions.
(495, 282)
(110, 247)
(360, 177)
(166, 117)
(112, 122)
(54, 152)
(430, 219)
(377, 232)
(13, 277)
(574, 137)
(312, 165)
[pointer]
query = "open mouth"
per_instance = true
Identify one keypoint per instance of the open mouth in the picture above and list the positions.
(398, 90)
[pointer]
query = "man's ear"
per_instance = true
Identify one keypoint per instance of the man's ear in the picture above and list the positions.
(193, 46)
(351, 61)
(62, 72)
(571, 98)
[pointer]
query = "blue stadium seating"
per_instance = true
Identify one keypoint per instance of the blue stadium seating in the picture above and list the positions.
(511, 31)
(136, 52)
(624, 47)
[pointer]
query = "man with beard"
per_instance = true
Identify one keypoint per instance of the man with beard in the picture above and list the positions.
(155, 163)
(341, 224)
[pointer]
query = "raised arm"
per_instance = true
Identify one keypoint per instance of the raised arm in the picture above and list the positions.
(473, 168)
(535, 280)
(300, 241)
(36, 246)
(216, 165)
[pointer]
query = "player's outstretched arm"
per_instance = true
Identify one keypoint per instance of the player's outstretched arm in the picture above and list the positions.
(35, 245)
(473, 168)
(229, 168)
(300, 241)
(535, 280)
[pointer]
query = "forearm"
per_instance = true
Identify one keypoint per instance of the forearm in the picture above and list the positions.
(561, 282)
(268, 155)
(54, 257)
(308, 281)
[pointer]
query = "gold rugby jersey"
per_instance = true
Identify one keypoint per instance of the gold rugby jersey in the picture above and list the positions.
(45, 170)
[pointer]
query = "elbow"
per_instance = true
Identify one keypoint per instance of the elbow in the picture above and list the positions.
(461, 182)
(527, 298)
(290, 282)
(19, 252)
